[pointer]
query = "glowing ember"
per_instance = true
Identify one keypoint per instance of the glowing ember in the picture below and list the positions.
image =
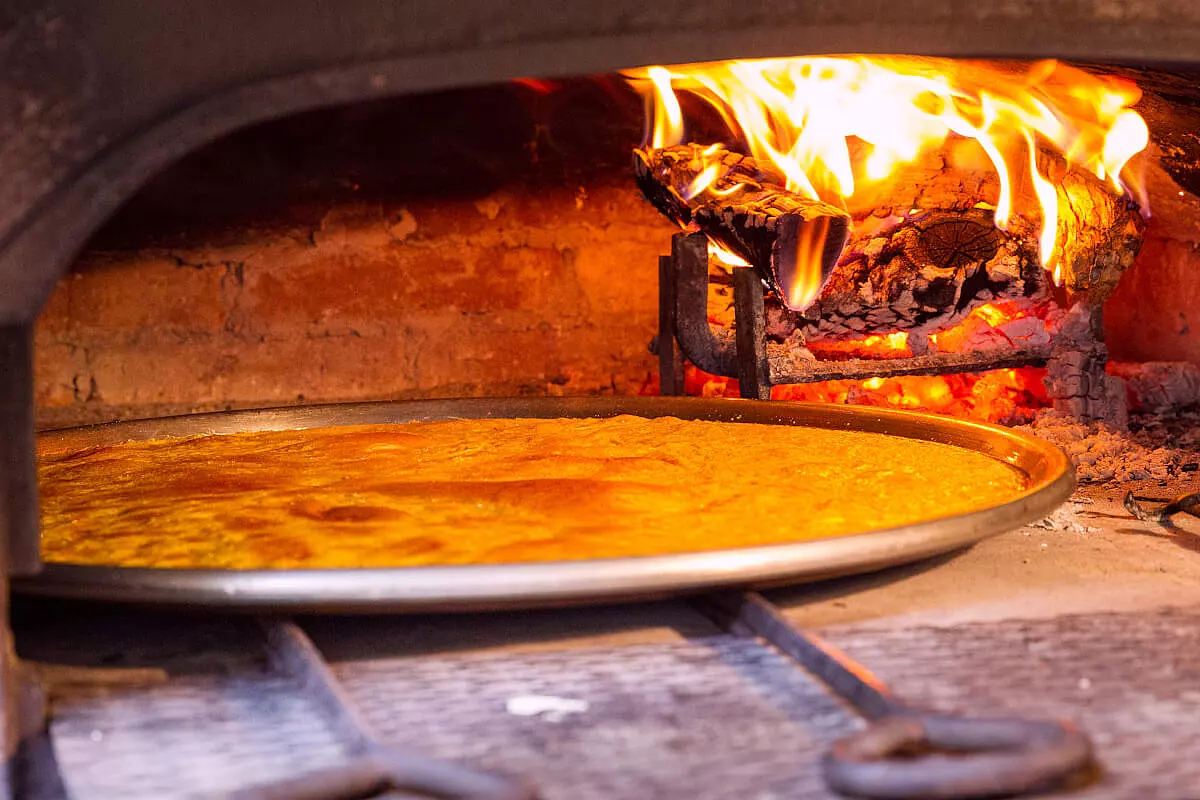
(990, 318)
(1002, 395)
(829, 125)
(893, 345)
(1005, 395)
(988, 321)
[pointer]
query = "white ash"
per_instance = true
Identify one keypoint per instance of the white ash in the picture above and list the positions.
(1064, 518)
(1101, 453)
(547, 707)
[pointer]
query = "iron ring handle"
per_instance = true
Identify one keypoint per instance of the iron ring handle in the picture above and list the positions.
(957, 757)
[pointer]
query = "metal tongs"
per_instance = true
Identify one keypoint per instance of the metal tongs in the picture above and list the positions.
(1185, 504)
(906, 752)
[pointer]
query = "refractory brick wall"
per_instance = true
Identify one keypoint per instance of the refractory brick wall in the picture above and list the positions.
(500, 296)
(485, 242)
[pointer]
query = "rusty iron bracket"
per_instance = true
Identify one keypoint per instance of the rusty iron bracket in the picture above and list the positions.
(754, 368)
(670, 360)
(906, 753)
(711, 349)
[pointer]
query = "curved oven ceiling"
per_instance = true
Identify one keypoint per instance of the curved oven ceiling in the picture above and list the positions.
(96, 96)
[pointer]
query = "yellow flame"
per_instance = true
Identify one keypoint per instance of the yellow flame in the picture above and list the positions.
(1048, 199)
(1128, 137)
(667, 116)
(828, 124)
(806, 282)
(726, 257)
(727, 191)
(702, 181)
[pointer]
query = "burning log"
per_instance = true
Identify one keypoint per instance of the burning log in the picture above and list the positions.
(925, 274)
(917, 273)
(792, 241)
(924, 271)
(1101, 233)
(925, 251)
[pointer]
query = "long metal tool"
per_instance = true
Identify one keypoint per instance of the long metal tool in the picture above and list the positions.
(375, 766)
(906, 753)
(1186, 504)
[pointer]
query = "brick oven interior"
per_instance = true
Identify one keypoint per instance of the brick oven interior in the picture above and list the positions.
(482, 242)
(479, 242)
(492, 242)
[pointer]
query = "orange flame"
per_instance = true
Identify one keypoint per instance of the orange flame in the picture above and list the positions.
(725, 257)
(803, 287)
(809, 119)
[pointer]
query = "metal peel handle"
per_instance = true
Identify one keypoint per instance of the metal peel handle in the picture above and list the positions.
(906, 753)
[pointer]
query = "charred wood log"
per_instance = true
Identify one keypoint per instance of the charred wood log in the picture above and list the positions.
(786, 367)
(923, 271)
(1099, 235)
(792, 241)
(925, 250)
(924, 275)
(1160, 387)
(1076, 379)
(667, 177)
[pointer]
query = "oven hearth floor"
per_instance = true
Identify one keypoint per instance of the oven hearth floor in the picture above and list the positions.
(707, 716)
(1092, 616)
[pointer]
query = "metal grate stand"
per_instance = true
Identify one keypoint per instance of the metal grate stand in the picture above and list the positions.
(1007, 756)
(957, 757)
(758, 364)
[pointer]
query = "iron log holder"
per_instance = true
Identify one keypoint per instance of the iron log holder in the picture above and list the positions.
(758, 363)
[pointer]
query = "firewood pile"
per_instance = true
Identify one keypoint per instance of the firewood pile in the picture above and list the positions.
(918, 260)
(916, 257)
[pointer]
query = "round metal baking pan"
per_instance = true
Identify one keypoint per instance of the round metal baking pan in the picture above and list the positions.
(496, 586)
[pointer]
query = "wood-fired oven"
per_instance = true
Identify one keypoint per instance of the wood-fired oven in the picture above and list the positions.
(216, 206)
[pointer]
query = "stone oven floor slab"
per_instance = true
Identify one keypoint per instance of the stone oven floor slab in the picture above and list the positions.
(1089, 556)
